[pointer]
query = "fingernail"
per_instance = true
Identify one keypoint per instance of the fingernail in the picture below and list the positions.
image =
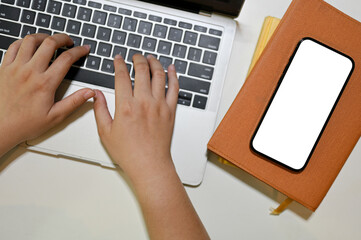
(89, 94)
(150, 56)
(87, 47)
(172, 67)
(118, 56)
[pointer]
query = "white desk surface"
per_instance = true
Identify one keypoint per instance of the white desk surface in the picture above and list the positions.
(42, 197)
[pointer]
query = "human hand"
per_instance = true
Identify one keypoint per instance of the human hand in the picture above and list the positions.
(139, 137)
(28, 85)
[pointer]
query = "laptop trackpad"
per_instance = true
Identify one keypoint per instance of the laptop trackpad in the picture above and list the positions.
(77, 137)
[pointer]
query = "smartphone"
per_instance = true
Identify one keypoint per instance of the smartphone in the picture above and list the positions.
(302, 104)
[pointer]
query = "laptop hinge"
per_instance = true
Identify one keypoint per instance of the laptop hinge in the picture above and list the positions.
(205, 13)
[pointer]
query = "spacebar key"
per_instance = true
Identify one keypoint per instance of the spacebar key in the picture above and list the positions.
(86, 76)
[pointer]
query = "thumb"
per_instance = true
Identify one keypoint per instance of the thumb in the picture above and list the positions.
(65, 107)
(102, 115)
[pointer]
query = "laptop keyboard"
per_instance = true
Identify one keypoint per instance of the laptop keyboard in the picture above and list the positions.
(110, 29)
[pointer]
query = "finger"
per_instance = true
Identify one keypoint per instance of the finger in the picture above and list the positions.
(59, 68)
(173, 88)
(142, 76)
(46, 51)
(65, 107)
(29, 46)
(11, 53)
(123, 85)
(158, 78)
(102, 115)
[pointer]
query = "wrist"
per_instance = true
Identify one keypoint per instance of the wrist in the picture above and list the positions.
(7, 141)
(153, 171)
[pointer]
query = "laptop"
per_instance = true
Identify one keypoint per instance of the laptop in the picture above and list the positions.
(194, 35)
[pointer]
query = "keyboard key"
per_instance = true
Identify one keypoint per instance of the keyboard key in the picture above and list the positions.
(199, 102)
(170, 21)
(91, 43)
(93, 62)
(194, 54)
(81, 2)
(114, 21)
(8, 1)
(88, 30)
(76, 40)
(27, 30)
(104, 49)
(91, 77)
(99, 17)
(130, 24)
(109, 8)
(94, 4)
(134, 40)
(28, 17)
(185, 95)
(184, 102)
(180, 66)
(190, 38)
(185, 25)
(179, 51)
(104, 34)
(165, 61)
(145, 27)
(58, 23)
(194, 85)
(210, 58)
(164, 47)
(131, 53)
(46, 31)
(215, 32)
(1, 56)
(140, 15)
(54, 7)
(200, 29)
(119, 37)
(9, 28)
(175, 34)
(23, 3)
(43, 20)
(155, 18)
(119, 51)
(149, 44)
(108, 66)
(125, 11)
(84, 14)
(69, 10)
(9, 12)
(201, 71)
(5, 42)
(39, 5)
(73, 27)
(160, 31)
(209, 42)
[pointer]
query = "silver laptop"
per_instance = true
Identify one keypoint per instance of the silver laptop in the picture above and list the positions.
(189, 34)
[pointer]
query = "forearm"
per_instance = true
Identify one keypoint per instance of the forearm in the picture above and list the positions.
(167, 209)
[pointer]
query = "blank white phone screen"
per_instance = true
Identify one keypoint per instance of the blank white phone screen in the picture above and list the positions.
(302, 104)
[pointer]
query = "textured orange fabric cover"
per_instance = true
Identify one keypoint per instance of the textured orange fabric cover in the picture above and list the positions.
(304, 18)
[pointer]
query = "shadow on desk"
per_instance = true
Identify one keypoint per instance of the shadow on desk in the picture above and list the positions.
(262, 187)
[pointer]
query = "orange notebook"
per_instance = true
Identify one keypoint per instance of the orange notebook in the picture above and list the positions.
(304, 18)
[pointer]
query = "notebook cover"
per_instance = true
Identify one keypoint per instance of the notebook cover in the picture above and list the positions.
(269, 26)
(304, 18)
